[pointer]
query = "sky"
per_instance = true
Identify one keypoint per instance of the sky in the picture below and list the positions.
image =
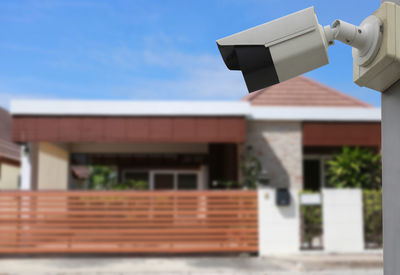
(148, 50)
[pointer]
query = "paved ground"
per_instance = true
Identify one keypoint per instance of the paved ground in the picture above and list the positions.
(312, 264)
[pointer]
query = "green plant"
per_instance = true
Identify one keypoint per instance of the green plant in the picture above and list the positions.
(140, 185)
(355, 167)
(105, 178)
(102, 177)
(311, 222)
(132, 185)
(372, 201)
(228, 184)
(251, 167)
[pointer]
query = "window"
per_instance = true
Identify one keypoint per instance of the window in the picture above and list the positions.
(165, 179)
(174, 180)
(187, 181)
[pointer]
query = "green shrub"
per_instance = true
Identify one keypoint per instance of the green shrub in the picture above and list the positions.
(373, 217)
(355, 167)
(311, 222)
(132, 185)
(102, 177)
(227, 184)
(105, 178)
(250, 167)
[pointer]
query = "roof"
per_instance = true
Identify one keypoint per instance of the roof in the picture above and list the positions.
(298, 99)
(301, 113)
(8, 149)
(128, 108)
(302, 91)
(58, 108)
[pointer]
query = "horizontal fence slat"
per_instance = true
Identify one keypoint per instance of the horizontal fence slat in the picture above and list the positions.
(177, 219)
(175, 237)
(131, 230)
(106, 249)
(116, 204)
(128, 225)
(145, 194)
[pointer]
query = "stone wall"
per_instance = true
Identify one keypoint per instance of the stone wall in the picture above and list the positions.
(278, 146)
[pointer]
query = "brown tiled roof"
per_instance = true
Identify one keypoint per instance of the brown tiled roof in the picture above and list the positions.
(8, 149)
(302, 91)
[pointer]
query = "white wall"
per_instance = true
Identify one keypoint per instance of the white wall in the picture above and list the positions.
(9, 176)
(279, 227)
(343, 220)
(26, 168)
(53, 167)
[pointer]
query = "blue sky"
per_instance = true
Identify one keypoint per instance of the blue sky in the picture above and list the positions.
(147, 50)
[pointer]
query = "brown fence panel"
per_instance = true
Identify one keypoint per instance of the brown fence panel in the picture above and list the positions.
(128, 221)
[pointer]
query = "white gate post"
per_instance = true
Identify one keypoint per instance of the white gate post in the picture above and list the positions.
(25, 174)
(343, 226)
(278, 226)
(391, 178)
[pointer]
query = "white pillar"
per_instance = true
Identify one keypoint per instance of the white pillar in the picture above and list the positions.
(203, 178)
(25, 168)
(343, 220)
(391, 177)
(279, 226)
(53, 167)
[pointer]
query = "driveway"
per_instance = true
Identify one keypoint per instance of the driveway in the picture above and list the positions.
(293, 265)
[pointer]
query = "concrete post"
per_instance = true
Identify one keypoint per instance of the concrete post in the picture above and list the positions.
(279, 227)
(343, 220)
(391, 178)
(53, 167)
(25, 175)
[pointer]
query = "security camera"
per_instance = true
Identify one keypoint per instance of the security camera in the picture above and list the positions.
(292, 45)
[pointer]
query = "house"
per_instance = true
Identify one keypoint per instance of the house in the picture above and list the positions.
(9, 154)
(290, 127)
(321, 119)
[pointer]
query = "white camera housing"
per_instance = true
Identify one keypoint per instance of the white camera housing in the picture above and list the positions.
(278, 50)
(384, 70)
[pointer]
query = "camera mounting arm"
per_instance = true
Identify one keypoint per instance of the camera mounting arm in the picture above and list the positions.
(365, 39)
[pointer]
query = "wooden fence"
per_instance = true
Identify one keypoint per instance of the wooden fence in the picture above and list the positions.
(128, 221)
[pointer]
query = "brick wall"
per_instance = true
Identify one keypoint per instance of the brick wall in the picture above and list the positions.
(278, 146)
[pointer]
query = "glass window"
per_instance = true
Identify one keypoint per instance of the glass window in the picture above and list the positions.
(163, 181)
(187, 181)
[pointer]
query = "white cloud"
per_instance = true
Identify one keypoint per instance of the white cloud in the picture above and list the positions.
(124, 73)
(169, 74)
(197, 76)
